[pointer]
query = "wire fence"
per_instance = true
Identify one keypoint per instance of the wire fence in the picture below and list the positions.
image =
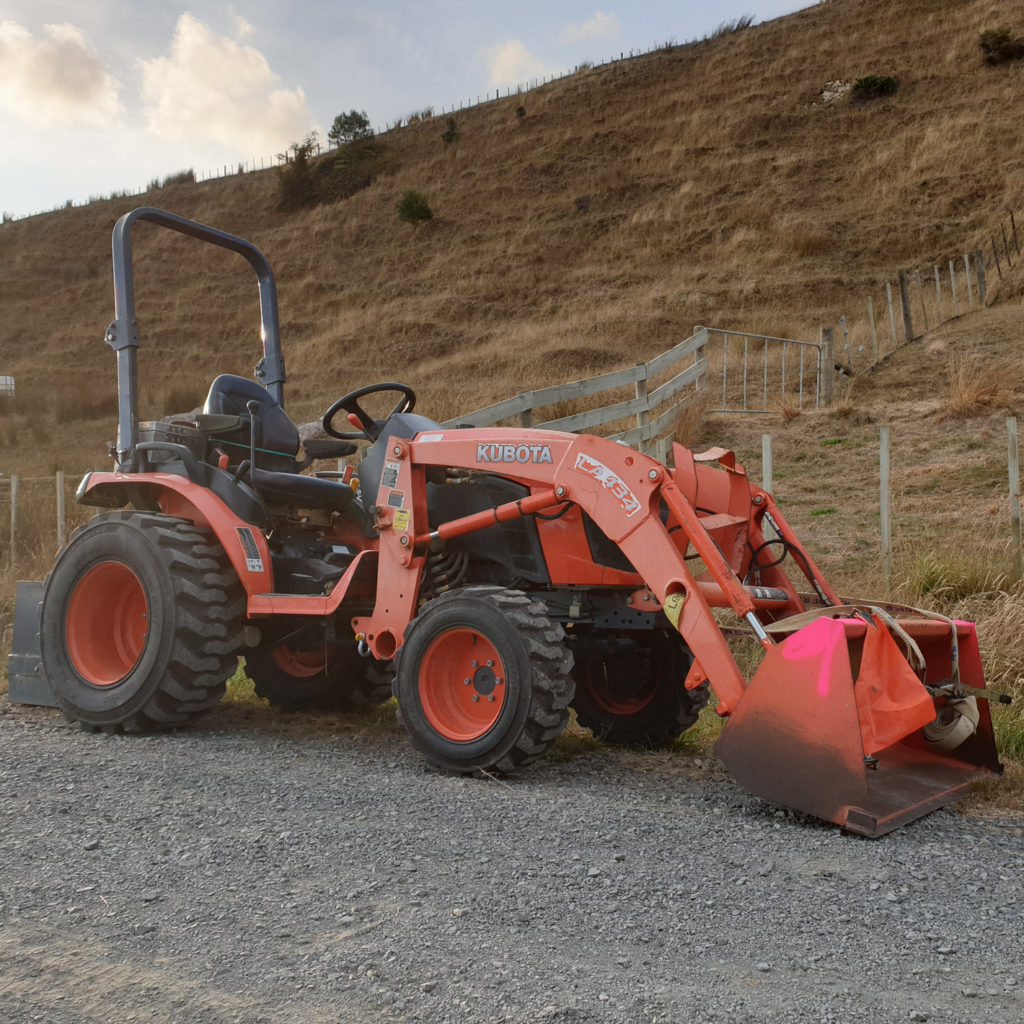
(925, 297)
(906, 521)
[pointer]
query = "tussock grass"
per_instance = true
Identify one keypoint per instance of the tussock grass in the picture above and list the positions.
(977, 386)
(945, 576)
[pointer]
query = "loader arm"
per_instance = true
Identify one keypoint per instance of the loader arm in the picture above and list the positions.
(621, 489)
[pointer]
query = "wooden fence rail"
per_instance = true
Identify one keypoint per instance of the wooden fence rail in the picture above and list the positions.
(751, 368)
(647, 434)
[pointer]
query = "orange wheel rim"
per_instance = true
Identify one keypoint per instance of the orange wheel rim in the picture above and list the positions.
(302, 663)
(106, 623)
(617, 694)
(462, 685)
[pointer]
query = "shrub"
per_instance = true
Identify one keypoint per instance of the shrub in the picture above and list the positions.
(349, 127)
(180, 178)
(451, 134)
(413, 207)
(308, 180)
(295, 185)
(873, 87)
(999, 47)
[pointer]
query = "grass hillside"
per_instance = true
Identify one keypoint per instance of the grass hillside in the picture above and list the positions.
(711, 183)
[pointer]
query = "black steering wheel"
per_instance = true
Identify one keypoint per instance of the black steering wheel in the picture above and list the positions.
(371, 428)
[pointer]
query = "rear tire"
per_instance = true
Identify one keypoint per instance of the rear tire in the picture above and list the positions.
(636, 697)
(140, 623)
(324, 678)
(483, 680)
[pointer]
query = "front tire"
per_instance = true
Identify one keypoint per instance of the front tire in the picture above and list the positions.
(483, 680)
(140, 623)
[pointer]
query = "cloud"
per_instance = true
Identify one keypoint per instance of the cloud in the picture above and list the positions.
(511, 63)
(54, 80)
(601, 25)
(210, 87)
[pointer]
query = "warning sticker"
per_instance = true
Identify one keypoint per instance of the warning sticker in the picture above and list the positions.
(396, 499)
(402, 519)
(253, 562)
(390, 476)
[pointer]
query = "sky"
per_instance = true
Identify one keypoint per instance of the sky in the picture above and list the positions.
(102, 96)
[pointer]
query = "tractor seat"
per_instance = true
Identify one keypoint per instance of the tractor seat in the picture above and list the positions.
(276, 475)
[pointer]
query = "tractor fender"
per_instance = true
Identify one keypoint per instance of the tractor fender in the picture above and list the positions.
(243, 542)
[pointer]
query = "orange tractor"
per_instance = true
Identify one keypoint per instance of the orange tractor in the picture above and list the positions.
(495, 578)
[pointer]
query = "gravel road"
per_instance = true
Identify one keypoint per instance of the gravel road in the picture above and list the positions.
(240, 871)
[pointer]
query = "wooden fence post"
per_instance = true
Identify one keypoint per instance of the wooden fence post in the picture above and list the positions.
(995, 252)
(1013, 228)
(920, 298)
(826, 365)
(892, 317)
(526, 416)
(14, 526)
(1006, 246)
(60, 510)
(938, 296)
(766, 463)
(700, 358)
(967, 274)
(884, 506)
(979, 268)
(643, 415)
(871, 321)
(1013, 468)
(908, 326)
(952, 282)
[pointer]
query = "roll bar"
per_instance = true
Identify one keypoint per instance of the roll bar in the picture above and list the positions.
(123, 333)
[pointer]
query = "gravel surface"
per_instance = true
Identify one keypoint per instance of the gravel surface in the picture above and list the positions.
(240, 872)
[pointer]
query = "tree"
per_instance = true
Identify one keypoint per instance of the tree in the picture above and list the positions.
(349, 127)
(295, 185)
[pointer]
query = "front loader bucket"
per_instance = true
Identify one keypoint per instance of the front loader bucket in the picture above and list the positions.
(831, 724)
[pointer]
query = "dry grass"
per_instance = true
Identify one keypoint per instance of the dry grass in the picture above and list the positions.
(977, 387)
